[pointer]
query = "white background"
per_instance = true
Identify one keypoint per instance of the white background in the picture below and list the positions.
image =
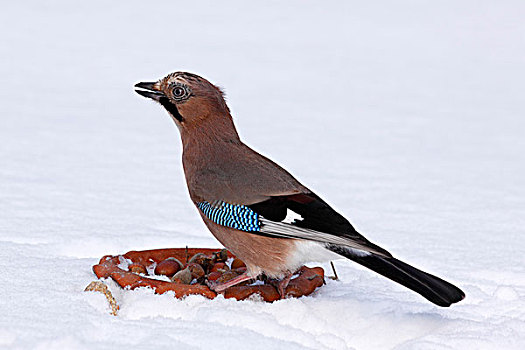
(408, 117)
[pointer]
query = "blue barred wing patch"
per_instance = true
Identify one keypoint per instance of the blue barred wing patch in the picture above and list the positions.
(235, 216)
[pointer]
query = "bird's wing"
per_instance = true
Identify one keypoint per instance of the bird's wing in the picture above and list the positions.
(314, 220)
(249, 192)
(242, 177)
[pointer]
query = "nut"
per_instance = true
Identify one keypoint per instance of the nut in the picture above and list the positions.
(221, 256)
(196, 270)
(167, 267)
(137, 268)
(219, 266)
(236, 263)
(212, 276)
(226, 276)
(201, 259)
(182, 277)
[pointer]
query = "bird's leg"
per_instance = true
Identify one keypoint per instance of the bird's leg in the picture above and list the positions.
(282, 284)
(221, 287)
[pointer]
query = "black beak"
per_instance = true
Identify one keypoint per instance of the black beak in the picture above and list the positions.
(149, 90)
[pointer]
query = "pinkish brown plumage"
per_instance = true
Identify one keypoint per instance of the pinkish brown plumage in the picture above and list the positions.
(246, 200)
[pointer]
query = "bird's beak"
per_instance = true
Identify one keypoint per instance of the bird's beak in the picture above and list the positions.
(149, 90)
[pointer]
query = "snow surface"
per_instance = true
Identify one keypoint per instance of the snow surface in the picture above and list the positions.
(407, 116)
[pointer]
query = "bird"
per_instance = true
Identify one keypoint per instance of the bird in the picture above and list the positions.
(257, 209)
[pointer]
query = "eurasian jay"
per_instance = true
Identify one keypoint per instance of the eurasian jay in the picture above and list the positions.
(258, 210)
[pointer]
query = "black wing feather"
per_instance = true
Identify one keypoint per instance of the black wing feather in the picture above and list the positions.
(317, 215)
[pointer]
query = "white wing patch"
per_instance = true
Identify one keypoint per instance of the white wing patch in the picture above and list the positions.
(291, 216)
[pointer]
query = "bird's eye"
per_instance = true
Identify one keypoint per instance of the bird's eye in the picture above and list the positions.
(178, 91)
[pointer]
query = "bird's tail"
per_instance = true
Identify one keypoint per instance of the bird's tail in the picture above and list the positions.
(433, 288)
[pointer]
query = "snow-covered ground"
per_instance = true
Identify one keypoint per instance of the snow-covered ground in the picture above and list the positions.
(408, 117)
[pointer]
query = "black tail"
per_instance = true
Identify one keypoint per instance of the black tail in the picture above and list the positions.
(431, 287)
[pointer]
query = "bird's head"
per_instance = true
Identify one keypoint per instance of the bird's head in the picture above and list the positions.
(188, 98)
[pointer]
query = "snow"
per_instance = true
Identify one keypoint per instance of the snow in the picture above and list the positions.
(408, 117)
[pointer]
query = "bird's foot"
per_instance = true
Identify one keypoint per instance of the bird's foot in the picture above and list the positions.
(281, 284)
(221, 287)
